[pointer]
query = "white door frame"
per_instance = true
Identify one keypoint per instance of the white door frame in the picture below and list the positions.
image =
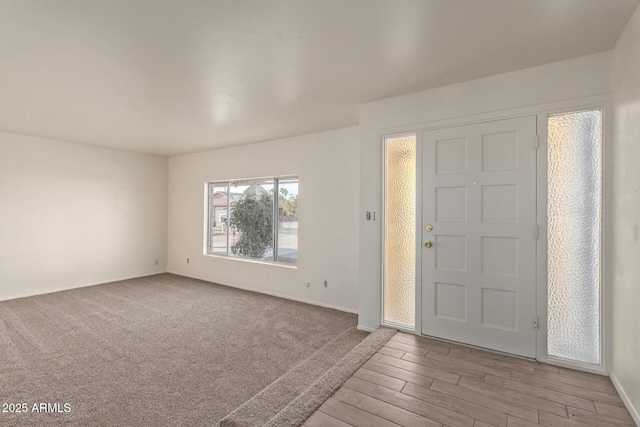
(542, 111)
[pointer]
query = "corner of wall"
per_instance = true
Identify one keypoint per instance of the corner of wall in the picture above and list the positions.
(625, 224)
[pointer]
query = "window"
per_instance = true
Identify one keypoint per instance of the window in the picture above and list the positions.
(400, 231)
(241, 219)
(574, 236)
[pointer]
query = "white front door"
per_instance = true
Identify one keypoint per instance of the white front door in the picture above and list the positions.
(479, 213)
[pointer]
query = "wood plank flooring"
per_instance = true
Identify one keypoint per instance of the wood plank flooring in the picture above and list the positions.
(416, 381)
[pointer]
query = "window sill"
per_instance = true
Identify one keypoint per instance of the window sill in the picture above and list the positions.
(252, 261)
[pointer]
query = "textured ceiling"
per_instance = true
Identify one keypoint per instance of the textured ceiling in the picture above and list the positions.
(170, 77)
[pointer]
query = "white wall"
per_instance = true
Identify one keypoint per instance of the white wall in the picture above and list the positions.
(625, 370)
(73, 215)
(566, 80)
(327, 165)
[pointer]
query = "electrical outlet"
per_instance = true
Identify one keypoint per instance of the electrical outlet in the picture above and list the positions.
(326, 284)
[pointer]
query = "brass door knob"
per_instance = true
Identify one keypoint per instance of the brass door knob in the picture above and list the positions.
(427, 244)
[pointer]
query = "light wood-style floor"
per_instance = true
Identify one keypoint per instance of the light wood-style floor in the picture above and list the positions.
(415, 381)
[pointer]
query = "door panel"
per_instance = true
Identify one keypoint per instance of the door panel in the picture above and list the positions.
(478, 276)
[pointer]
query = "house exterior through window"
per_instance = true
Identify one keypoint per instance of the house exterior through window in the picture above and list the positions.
(255, 219)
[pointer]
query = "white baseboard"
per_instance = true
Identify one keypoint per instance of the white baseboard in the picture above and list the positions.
(84, 285)
(627, 402)
(231, 285)
(273, 294)
(365, 328)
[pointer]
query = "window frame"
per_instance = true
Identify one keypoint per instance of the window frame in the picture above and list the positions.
(210, 212)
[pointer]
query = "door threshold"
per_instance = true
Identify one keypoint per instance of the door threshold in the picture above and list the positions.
(490, 350)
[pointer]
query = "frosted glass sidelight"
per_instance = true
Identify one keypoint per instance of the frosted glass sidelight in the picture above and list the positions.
(574, 218)
(400, 231)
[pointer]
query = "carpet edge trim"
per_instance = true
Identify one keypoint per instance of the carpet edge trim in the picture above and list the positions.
(315, 395)
(228, 420)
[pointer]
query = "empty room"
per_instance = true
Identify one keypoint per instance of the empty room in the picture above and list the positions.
(320, 213)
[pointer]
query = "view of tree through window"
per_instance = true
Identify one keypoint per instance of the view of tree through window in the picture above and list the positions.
(255, 219)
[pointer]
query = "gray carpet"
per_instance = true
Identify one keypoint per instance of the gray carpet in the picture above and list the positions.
(161, 350)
